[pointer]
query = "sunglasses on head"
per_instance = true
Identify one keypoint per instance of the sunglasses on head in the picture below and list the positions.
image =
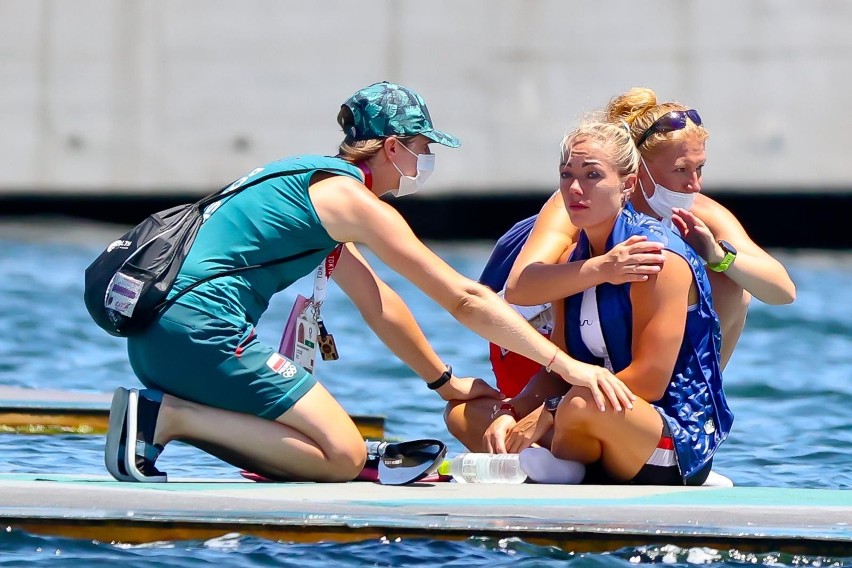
(669, 122)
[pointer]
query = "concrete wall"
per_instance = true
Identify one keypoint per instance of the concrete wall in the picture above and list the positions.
(165, 95)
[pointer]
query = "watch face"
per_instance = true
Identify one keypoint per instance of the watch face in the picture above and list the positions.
(551, 404)
(727, 247)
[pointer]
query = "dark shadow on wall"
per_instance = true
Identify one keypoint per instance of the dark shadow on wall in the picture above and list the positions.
(769, 218)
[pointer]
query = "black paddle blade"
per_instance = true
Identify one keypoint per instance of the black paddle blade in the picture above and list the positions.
(406, 462)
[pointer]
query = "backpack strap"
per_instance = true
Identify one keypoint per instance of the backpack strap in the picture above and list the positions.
(223, 193)
(202, 203)
(162, 306)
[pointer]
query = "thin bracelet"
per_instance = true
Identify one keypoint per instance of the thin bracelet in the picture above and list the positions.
(504, 406)
(552, 359)
(442, 380)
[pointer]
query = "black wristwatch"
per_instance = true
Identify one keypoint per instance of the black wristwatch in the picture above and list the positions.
(442, 380)
(727, 260)
(552, 403)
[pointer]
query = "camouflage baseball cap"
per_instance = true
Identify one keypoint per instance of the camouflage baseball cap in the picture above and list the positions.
(387, 109)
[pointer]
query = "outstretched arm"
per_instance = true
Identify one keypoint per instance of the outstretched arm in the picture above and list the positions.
(754, 270)
(350, 213)
(539, 275)
(392, 321)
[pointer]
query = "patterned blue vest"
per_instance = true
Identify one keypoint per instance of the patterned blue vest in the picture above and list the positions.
(505, 251)
(694, 404)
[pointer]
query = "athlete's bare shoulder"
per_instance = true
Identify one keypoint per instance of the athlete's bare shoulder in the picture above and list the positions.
(704, 202)
(715, 215)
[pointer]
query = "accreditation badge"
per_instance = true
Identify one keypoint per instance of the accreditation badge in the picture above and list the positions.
(305, 347)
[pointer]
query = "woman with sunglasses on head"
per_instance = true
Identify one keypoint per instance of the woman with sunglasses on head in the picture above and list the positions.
(659, 335)
(671, 139)
(213, 384)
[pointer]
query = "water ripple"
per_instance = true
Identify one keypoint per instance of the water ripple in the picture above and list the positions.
(23, 549)
(788, 384)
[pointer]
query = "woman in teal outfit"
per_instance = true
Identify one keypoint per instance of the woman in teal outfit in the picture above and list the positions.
(213, 384)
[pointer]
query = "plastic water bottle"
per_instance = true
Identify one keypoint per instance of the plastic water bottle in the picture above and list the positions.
(485, 468)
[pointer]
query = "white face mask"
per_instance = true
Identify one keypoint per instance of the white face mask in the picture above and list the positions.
(664, 200)
(408, 184)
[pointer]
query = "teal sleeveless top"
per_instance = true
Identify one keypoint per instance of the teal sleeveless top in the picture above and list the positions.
(270, 219)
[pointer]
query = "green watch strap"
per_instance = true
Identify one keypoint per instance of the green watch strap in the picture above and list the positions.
(725, 263)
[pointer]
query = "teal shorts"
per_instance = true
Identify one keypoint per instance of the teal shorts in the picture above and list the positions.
(195, 356)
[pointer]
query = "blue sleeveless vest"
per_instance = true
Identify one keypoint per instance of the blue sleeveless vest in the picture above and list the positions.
(506, 250)
(694, 405)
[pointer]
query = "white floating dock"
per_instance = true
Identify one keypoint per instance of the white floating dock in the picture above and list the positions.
(579, 518)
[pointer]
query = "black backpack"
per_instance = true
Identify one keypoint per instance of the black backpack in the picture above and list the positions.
(127, 285)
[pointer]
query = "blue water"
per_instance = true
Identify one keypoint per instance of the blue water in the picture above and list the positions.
(788, 384)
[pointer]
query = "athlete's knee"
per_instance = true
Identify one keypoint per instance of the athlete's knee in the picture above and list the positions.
(345, 462)
(574, 432)
(577, 409)
(454, 416)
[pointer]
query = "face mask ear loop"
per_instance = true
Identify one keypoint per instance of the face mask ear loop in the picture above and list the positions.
(394, 163)
(410, 151)
(396, 168)
(625, 194)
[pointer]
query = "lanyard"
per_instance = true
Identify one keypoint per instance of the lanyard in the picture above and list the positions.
(323, 273)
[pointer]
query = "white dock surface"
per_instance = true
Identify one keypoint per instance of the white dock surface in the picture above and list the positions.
(574, 517)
